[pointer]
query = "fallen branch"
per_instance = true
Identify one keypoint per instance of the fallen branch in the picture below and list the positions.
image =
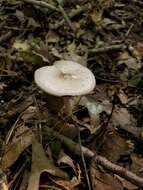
(122, 172)
(75, 148)
(70, 144)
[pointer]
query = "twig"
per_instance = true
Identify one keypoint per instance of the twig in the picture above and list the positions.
(11, 130)
(123, 172)
(83, 159)
(65, 16)
(70, 144)
(107, 48)
(75, 148)
(42, 4)
(129, 30)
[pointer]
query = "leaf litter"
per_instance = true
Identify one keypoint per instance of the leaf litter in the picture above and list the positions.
(40, 147)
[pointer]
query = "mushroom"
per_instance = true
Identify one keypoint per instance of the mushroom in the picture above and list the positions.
(64, 79)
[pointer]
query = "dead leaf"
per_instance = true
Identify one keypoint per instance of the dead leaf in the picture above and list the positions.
(136, 80)
(29, 113)
(73, 55)
(3, 181)
(95, 108)
(21, 45)
(65, 159)
(137, 51)
(121, 117)
(2, 85)
(129, 186)
(123, 97)
(52, 37)
(113, 146)
(40, 164)
(137, 164)
(42, 51)
(55, 52)
(70, 185)
(16, 147)
(96, 16)
(32, 23)
(20, 15)
(101, 180)
(129, 61)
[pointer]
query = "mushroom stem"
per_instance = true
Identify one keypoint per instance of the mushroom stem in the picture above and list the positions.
(67, 105)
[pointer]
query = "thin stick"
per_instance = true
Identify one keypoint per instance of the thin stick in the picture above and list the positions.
(129, 30)
(75, 148)
(123, 172)
(107, 48)
(70, 144)
(42, 4)
(83, 159)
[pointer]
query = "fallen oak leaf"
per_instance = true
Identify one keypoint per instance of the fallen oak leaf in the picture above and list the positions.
(40, 164)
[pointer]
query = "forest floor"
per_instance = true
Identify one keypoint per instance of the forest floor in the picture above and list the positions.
(99, 146)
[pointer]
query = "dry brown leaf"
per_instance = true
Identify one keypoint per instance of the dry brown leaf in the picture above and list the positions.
(129, 61)
(29, 113)
(2, 85)
(40, 164)
(20, 45)
(70, 185)
(16, 147)
(123, 97)
(65, 159)
(96, 16)
(137, 164)
(52, 37)
(103, 181)
(95, 108)
(113, 147)
(129, 186)
(3, 181)
(73, 55)
(121, 117)
(138, 50)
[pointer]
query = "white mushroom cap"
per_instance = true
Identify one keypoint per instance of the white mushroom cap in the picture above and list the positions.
(65, 78)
